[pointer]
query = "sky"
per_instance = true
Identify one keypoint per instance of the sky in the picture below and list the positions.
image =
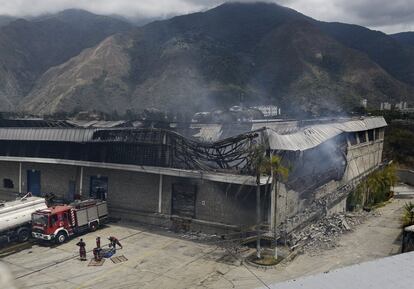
(389, 16)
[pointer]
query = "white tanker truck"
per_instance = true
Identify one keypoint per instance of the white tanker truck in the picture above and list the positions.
(16, 217)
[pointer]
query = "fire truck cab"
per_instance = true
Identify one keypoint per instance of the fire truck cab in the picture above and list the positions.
(61, 222)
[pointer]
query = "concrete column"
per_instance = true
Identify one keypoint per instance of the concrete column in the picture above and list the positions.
(273, 212)
(160, 195)
(20, 177)
(81, 181)
(273, 207)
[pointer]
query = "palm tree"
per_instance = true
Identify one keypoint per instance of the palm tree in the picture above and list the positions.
(379, 184)
(373, 186)
(390, 178)
(279, 173)
(273, 167)
(259, 163)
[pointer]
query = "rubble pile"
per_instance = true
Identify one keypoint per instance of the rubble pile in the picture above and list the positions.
(325, 233)
(198, 236)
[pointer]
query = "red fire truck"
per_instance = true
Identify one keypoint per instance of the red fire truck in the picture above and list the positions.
(58, 223)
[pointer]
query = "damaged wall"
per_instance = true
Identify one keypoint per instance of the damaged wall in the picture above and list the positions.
(359, 159)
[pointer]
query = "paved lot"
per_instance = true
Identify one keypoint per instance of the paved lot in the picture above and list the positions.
(160, 259)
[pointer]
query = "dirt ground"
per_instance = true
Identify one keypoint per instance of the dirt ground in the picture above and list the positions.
(162, 259)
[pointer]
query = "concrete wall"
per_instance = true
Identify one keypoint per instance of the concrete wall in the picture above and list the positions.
(217, 202)
(135, 196)
(362, 158)
(293, 205)
(129, 190)
(53, 178)
(9, 170)
(340, 207)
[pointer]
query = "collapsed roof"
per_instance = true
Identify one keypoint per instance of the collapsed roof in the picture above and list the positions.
(187, 150)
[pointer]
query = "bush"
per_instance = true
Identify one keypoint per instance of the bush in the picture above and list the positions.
(408, 215)
(374, 189)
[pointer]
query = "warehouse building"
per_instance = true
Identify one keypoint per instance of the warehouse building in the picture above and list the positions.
(198, 175)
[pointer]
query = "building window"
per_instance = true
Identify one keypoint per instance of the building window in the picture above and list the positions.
(352, 138)
(377, 134)
(362, 137)
(8, 184)
(381, 133)
(371, 135)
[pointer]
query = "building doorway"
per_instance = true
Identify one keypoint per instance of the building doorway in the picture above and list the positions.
(33, 182)
(183, 200)
(71, 190)
(99, 187)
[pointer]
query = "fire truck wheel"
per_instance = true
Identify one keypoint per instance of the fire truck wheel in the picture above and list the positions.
(61, 237)
(93, 226)
(23, 234)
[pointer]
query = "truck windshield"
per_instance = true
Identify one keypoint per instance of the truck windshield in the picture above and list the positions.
(39, 219)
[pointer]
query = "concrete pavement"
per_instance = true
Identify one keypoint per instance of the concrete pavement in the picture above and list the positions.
(161, 259)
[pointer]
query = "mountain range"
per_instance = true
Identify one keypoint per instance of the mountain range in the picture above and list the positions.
(255, 53)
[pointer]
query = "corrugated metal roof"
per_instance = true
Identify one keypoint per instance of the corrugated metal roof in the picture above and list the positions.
(208, 133)
(47, 134)
(216, 132)
(300, 139)
(386, 273)
(97, 123)
(33, 123)
(314, 135)
(281, 127)
(361, 124)
(287, 135)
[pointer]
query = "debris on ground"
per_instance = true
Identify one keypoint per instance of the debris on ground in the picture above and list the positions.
(326, 232)
(198, 236)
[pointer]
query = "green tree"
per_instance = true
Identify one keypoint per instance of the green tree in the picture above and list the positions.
(272, 167)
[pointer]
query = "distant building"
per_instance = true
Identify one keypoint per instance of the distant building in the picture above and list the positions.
(385, 106)
(401, 105)
(269, 110)
(364, 103)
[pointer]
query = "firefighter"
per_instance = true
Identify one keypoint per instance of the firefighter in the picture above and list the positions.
(113, 242)
(97, 251)
(98, 242)
(82, 250)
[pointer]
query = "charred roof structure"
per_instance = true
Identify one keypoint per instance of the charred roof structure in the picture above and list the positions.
(200, 172)
(26, 122)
